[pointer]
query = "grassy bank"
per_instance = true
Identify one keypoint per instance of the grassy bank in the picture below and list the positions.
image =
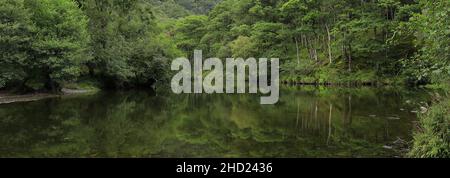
(432, 139)
(326, 75)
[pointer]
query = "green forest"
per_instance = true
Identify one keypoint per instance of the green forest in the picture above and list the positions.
(48, 45)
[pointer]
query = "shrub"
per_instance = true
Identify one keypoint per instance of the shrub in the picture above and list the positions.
(432, 140)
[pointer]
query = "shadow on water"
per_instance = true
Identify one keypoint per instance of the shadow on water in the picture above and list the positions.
(307, 122)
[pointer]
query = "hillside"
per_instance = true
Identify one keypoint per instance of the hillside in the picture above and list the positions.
(182, 8)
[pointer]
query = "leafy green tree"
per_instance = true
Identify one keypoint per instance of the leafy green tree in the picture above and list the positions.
(198, 6)
(59, 47)
(243, 47)
(16, 31)
(166, 9)
(127, 46)
(189, 33)
(432, 62)
(45, 43)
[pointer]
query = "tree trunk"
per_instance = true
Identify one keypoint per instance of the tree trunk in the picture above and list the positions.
(298, 52)
(350, 58)
(330, 56)
(51, 85)
(316, 57)
(308, 46)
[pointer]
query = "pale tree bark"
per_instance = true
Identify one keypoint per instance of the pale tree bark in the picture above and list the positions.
(330, 56)
(350, 58)
(298, 52)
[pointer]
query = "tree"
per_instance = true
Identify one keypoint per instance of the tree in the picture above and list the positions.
(429, 29)
(16, 31)
(198, 6)
(59, 47)
(243, 47)
(46, 42)
(126, 43)
(189, 32)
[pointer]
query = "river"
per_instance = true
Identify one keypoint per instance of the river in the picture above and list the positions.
(307, 122)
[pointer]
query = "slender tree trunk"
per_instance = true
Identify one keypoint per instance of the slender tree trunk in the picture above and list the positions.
(316, 42)
(316, 57)
(350, 58)
(298, 52)
(51, 85)
(308, 46)
(330, 56)
(344, 50)
(350, 109)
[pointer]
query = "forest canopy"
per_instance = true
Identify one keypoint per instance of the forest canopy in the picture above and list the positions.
(51, 44)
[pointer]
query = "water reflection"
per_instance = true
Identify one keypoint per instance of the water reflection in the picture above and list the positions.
(307, 122)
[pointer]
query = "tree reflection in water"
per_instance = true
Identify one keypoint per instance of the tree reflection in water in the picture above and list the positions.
(307, 122)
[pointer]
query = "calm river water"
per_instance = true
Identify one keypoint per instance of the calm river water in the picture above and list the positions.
(307, 122)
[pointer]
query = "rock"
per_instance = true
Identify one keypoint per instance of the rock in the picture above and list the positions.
(72, 91)
(423, 110)
(399, 141)
(393, 118)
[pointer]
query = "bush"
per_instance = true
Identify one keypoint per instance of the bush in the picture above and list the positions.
(432, 140)
(43, 43)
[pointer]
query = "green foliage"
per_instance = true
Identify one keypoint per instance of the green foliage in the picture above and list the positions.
(60, 44)
(16, 31)
(243, 47)
(356, 36)
(48, 44)
(432, 61)
(169, 9)
(432, 140)
(181, 8)
(127, 46)
(78, 44)
(45, 42)
(189, 32)
(198, 6)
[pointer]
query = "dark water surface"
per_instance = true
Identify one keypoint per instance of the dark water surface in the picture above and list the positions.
(307, 122)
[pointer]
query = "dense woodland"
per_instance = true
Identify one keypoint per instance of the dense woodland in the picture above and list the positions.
(47, 45)
(329, 41)
(121, 44)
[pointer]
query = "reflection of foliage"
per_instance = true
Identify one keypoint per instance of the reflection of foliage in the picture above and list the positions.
(138, 124)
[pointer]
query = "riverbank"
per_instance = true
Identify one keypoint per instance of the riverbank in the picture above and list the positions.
(7, 97)
(432, 137)
(328, 76)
